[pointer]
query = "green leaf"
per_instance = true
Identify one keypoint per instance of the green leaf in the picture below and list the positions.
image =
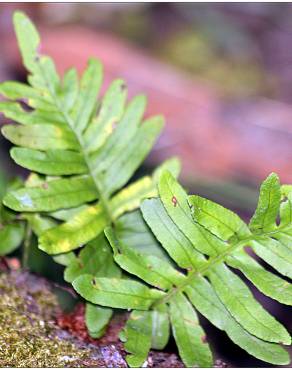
(83, 227)
(204, 298)
(151, 269)
(132, 230)
(67, 214)
(42, 137)
(28, 39)
(274, 253)
(96, 319)
(89, 88)
(70, 88)
(39, 223)
(130, 198)
(52, 162)
(265, 215)
(95, 259)
(240, 302)
(15, 90)
(121, 170)
(116, 293)
(174, 199)
(126, 129)
(69, 132)
(189, 336)
(219, 220)
(269, 284)
(160, 327)
(172, 239)
(65, 259)
(154, 323)
(137, 336)
(15, 112)
(11, 237)
(110, 112)
(52, 195)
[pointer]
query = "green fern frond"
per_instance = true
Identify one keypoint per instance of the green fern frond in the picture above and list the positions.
(87, 149)
(205, 244)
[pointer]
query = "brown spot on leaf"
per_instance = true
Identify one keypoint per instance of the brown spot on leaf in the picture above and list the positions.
(174, 201)
(45, 185)
(93, 282)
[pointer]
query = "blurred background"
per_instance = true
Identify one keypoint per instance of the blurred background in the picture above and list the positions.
(220, 73)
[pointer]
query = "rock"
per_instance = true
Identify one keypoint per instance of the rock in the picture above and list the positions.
(29, 336)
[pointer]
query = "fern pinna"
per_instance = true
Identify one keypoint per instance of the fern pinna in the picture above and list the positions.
(205, 243)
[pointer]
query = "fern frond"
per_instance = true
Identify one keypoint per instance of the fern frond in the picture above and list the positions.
(87, 149)
(205, 243)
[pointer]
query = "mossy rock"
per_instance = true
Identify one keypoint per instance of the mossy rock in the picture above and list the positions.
(29, 336)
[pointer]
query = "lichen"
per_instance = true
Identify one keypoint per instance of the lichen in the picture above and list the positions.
(28, 334)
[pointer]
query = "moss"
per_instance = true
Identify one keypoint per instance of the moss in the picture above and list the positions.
(28, 334)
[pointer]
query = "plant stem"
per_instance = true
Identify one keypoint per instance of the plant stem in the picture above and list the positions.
(26, 245)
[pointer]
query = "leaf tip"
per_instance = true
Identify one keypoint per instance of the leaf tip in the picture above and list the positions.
(273, 177)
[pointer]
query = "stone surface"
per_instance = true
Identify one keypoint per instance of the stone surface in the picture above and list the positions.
(29, 336)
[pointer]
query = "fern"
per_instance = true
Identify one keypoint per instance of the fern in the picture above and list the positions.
(174, 258)
(81, 151)
(204, 242)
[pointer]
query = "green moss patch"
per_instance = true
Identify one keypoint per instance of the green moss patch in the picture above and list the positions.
(28, 334)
